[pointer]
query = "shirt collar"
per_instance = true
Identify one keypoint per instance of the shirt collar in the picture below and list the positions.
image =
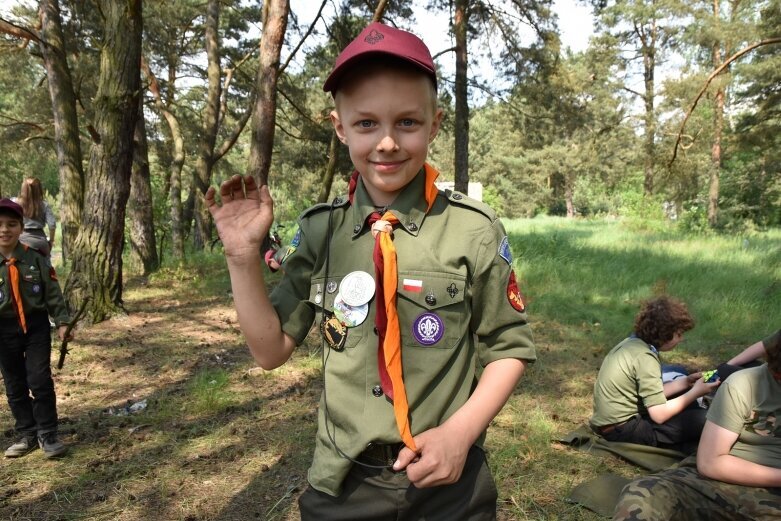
(409, 207)
(19, 253)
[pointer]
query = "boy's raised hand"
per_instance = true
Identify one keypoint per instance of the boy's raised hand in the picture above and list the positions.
(245, 216)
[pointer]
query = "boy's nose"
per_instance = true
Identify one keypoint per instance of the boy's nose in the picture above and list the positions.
(387, 144)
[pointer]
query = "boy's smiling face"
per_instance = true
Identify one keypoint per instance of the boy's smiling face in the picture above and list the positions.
(387, 118)
(10, 230)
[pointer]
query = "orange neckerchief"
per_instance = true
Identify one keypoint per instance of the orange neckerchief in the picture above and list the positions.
(16, 296)
(387, 318)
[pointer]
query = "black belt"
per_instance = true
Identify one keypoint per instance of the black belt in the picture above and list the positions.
(607, 429)
(381, 453)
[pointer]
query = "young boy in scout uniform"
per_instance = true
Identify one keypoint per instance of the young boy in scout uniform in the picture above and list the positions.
(410, 288)
(29, 293)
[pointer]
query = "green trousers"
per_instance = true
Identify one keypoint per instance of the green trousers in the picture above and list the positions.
(383, 495)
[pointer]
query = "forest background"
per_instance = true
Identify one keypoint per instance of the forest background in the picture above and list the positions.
(128, 110)
(226, 87)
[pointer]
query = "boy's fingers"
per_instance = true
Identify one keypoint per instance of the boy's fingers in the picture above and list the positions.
(265, 197)
(227, 188)
(209, 197)
(406, 456)
(250, 184)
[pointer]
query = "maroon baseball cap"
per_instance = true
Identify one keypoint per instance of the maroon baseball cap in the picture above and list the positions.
(378, 38)
(7, 204)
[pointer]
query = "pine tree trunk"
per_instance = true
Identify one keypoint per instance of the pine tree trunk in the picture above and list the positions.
(718, 129)
(330, 170)
(264, 113)
(97, 251)
(66, 123)
(649, 66)
(461, 162)
(211, 120)
(142, 227)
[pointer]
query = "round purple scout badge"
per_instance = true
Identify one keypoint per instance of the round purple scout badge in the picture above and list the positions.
(428, 329)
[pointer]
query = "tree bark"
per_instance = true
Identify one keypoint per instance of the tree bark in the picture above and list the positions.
(97, 251)
(140, 208)
(649, 67)
(461, 166)
(174, 179)
(718, 129)
(66, 122)
(330, 170)
(264, 113)
(211, 120)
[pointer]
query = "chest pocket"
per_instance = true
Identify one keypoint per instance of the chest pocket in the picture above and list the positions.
(30, 283)
(432, 309)
(320, 297)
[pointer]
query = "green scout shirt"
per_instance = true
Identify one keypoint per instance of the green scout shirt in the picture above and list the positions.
(37, 284)
(458, 253)
(748, 403)
(629, 382)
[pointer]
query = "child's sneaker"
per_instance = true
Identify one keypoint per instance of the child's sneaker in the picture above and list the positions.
(51, 446)
(22, 447)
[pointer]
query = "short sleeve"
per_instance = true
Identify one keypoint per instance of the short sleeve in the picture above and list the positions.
(498, 310)
(772, 340)
(648, 371)
(49, 216)
(730, 408)
(290, 296)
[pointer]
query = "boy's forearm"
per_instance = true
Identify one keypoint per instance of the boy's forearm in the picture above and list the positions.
(676, 386)
(258, 320)
(493, 390)
(731, 469)
(751, 353)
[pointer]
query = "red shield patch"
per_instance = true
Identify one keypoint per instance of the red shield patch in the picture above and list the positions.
(52, 274)
(514, 294)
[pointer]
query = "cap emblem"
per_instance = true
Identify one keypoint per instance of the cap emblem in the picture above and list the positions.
(373, 37)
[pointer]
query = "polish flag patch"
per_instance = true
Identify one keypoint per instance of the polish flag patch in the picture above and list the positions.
(413, 285)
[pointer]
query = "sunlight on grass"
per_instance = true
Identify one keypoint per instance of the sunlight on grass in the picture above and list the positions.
(208, 390)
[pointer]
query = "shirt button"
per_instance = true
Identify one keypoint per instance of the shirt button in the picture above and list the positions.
(377, 391)
(413, 227)
(338, 200)
(356, 228)
(431, 300)
(457, 196)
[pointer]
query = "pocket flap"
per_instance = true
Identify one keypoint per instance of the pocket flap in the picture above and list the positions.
(431, 290)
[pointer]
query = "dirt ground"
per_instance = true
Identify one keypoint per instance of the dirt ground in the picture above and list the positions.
(167, 418)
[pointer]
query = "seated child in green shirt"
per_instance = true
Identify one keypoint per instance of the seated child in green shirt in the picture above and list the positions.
(631, 403)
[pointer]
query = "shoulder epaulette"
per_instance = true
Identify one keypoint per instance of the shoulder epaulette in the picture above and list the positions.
(460, 199)
(337, 202)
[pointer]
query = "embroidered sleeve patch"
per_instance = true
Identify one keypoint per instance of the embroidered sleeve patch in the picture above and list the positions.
(296, 239)
(514, 294)
(52, 274)
(504, 250)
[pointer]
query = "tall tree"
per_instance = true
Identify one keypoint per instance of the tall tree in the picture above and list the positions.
(66, 123)
(140, 208)
(647, 28)
(97, 252)
(275, 14)
(461, 162)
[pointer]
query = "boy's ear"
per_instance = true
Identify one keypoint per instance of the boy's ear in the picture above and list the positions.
(435, 125)
(336, 121)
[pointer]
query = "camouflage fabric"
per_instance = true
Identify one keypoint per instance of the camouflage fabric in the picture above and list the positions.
(682, 494)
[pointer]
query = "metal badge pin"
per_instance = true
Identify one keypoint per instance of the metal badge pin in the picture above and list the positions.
(357, 288)
(350, 316)
(331, 287)
(452, 290)
(334, 333)
(319, 294)
(431, 299)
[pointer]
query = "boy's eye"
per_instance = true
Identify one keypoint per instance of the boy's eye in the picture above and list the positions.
(407, 122)
(366, 123)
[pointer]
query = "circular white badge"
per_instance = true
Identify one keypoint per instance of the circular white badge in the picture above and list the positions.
(357, 288)
(350, 316)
